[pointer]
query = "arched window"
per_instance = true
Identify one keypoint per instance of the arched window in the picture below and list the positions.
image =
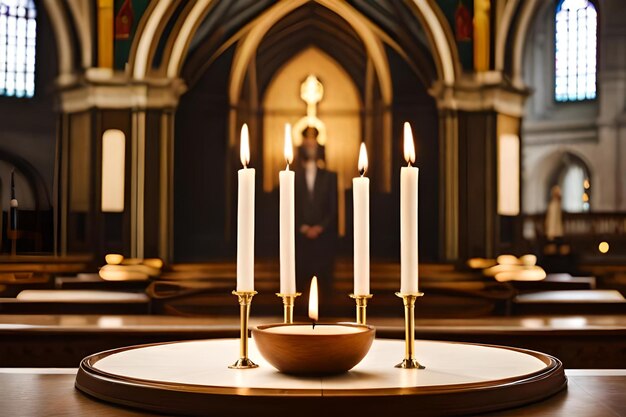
(573, 178)
(18, 30)
(575, 51)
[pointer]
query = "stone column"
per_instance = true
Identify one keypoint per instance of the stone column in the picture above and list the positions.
(470, 125)
(144, 114)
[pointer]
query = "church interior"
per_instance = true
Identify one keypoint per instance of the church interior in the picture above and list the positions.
(174, 173)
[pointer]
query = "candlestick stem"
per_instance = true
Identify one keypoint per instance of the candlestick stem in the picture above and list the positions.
(245, 300)
(361, 306)
(288, 302)
(409, 361)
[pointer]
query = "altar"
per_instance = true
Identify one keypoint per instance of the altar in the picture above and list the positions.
(192, 378)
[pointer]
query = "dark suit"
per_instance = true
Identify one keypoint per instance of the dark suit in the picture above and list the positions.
(316, 256)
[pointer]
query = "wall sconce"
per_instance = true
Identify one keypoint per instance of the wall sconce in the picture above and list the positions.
(113, 164)
(508, 175)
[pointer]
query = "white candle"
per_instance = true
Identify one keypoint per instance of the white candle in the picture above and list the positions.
(361, 199)
(287, 221)
(313, 301)
(245, 218)
(408, 217)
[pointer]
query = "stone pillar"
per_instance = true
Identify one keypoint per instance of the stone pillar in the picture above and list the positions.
(470, 126)
(144, 114)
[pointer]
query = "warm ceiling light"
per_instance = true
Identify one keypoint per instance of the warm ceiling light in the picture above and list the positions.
(113, 258)
(603, 247)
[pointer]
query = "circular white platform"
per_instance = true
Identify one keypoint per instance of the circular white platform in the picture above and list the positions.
(193, 378)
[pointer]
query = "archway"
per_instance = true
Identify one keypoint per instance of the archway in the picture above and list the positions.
(215, 105)
(339, 110)
(573, 177)
(188, 18)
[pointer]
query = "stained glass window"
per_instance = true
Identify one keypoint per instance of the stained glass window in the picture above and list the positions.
(575, 52)
(18, 30)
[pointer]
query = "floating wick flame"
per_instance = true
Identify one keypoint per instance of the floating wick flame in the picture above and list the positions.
(244, 150)
(362, 159)
(409, 146)
(313, 301)
(288, 145)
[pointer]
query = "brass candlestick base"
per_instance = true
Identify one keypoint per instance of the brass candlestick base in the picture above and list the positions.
(245, 299)
(361, 305)
(410, 364)
(409, 361)
(243, 363)
(288, 302)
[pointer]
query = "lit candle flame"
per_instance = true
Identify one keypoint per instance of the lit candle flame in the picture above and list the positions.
(362, 159)
(409, 146)
(244, 150)
(313, 301)
(288, 145)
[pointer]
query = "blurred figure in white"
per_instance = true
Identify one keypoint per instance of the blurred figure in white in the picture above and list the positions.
(554, 220)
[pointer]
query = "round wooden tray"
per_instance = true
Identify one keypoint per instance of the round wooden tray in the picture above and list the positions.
(192, 378)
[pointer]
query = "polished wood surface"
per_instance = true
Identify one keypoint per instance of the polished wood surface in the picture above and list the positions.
(590, 393)
(38, 392)
(63, 340)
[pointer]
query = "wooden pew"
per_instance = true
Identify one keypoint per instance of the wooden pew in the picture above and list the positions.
(570, 302)
(556, 282)
(23, 272)
(75, 302)
(63, 340)
(94, 282)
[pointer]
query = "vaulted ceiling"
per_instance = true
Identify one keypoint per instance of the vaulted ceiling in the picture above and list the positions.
(311, 24)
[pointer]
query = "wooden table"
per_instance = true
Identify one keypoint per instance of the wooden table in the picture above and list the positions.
(193, 378)
(37, 392)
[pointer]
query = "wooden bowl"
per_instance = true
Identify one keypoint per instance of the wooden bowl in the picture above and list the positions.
(327, 349)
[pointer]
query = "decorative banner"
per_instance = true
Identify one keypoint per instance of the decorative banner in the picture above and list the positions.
(463, 23)
(124, 21)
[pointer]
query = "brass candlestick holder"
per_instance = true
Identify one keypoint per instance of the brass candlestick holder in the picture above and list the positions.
(361, 305)
(245, 299)
(409, 361)
(288, 302)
